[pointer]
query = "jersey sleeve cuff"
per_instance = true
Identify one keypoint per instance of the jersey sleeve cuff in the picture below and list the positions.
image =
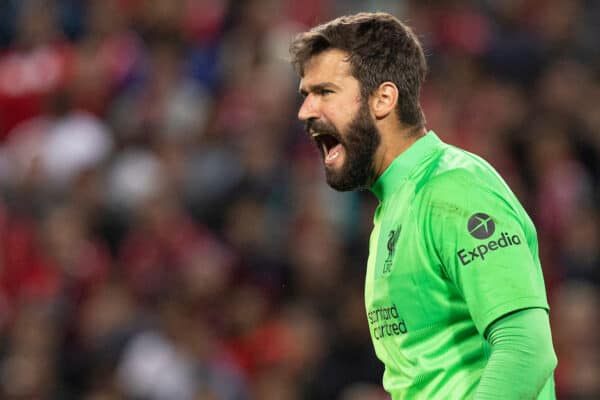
(508, 307)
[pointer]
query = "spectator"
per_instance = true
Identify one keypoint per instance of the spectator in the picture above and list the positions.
(164, 231)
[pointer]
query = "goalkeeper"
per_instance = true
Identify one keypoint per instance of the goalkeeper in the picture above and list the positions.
(454, 292)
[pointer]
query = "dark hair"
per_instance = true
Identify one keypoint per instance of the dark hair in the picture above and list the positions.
(380, 48)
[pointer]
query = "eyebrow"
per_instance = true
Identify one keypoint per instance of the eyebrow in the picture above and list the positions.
(317, 87)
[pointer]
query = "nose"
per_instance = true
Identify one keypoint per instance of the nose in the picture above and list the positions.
(308, 109)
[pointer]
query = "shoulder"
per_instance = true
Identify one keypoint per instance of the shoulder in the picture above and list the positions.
(454, 168)
(460, 181)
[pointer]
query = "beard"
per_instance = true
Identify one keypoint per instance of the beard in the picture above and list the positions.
(360, 141)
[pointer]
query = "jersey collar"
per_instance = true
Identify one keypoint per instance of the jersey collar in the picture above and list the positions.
(397, 172)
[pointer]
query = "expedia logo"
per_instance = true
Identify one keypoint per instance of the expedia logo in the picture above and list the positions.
(481, 226)
(479, 253)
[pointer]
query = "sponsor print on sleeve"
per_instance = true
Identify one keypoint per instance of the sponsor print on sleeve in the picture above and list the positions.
(481, 226)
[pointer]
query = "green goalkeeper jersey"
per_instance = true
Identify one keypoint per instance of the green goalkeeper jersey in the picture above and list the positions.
(452, 250)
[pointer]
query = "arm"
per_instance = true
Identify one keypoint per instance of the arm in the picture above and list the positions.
(501, 282)
(522, 356)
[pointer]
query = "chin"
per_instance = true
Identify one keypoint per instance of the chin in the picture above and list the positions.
(345, 180)
(341, 184)
(341, 188)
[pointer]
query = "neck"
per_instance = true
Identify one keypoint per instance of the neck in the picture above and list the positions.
(393, 143)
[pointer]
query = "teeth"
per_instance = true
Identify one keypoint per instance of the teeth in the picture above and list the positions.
(332, 156)
(315, 135)
(324, 147)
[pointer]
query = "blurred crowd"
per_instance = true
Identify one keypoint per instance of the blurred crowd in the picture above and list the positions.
(165, 228)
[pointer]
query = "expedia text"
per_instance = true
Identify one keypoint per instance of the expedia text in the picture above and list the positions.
(479, 253)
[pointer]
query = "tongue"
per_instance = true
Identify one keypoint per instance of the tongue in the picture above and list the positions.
(333, 154)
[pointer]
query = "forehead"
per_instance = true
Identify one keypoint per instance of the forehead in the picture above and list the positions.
(329, 66)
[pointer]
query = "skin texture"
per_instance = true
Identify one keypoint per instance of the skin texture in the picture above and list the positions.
(348, 165)
(332, 100)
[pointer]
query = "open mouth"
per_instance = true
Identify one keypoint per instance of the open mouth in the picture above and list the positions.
(329, 145)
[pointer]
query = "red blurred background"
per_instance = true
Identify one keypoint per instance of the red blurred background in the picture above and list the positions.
(165, 228)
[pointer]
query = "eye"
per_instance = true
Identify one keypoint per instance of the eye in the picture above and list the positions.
(325, 92)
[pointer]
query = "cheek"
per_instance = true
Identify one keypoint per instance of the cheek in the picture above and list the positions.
(342, 114)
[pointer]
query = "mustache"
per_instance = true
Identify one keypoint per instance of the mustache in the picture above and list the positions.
(321, 127)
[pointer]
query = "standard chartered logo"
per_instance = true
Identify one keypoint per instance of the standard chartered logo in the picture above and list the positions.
(386, 322)
(481, 226)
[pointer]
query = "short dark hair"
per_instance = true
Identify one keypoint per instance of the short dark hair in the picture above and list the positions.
(380, 48)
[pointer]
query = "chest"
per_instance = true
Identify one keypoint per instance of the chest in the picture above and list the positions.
(404, 279)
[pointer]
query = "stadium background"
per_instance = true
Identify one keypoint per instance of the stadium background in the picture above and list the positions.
(165, 228)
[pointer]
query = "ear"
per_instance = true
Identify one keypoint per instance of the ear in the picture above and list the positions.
(384, 100)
